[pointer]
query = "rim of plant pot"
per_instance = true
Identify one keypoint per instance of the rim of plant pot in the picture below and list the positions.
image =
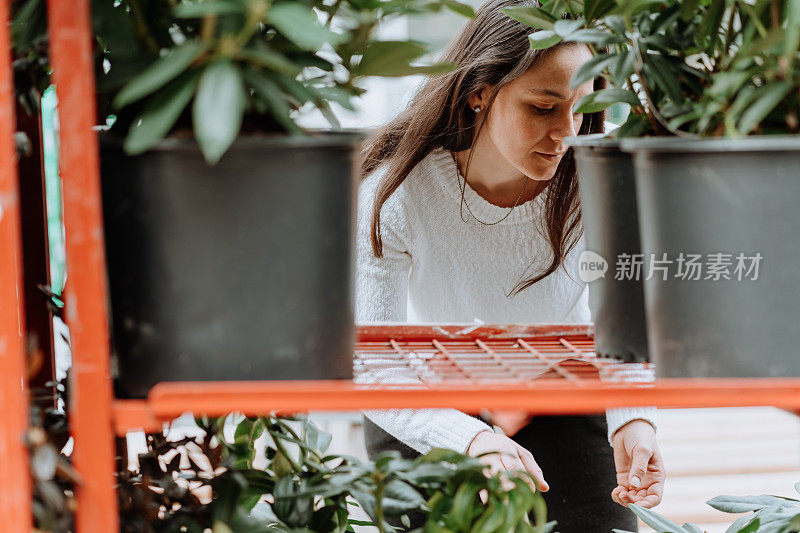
(756, 143)
(259, 141)
(594, 141)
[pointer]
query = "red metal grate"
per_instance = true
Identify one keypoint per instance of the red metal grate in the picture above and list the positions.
(504, 354)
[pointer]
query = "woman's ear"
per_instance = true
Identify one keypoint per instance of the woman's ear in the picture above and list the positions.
(479, 99)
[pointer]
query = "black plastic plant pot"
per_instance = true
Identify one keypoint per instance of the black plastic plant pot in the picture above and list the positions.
(239, 271)
(611, 228)
(720, 227)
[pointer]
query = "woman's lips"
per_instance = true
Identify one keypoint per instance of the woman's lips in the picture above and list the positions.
(549, 157)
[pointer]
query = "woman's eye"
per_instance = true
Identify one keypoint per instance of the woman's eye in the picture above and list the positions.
(542, 109)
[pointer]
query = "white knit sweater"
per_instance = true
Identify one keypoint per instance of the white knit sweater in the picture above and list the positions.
(438, 268)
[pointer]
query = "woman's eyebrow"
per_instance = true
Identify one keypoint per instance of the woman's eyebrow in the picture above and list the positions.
(548, 92)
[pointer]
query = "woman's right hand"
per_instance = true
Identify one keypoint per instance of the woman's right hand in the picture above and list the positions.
(511, 456)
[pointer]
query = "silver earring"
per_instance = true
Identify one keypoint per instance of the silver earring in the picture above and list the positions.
(477, 109)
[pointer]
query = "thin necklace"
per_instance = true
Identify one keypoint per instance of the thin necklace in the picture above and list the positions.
(464, 199)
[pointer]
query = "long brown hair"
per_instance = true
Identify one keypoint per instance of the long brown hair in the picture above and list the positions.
(491, 50)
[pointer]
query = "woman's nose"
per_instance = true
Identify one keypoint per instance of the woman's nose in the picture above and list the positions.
(565, 126)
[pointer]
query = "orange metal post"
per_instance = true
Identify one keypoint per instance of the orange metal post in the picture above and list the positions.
(15, 483)
(85, 299)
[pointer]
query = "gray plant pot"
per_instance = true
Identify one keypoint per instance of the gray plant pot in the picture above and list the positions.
(611, 228)
(711, 197)
(240, 271)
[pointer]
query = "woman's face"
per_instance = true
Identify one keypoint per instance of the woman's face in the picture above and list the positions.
(533, 114)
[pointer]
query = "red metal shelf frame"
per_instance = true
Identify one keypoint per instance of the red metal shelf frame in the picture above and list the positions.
(541, 368)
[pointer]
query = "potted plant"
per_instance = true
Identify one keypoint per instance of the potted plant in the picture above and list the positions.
(202, 478)
(228, 227)
(769, 514)
(713, 89)
(605, 173)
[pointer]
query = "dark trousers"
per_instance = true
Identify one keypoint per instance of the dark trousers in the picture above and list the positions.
(577, 462)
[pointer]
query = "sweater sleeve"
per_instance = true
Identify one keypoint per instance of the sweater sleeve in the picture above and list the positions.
(616, 418)
(382, 296)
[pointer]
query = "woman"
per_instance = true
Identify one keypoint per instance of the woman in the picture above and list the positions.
(469, 210)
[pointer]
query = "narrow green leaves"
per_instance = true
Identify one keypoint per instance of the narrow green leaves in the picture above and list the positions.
(159, 73)
(160, 113)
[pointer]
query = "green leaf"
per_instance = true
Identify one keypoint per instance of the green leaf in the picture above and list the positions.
(745, 504)
(767, 98)
(160, 72)
(543, 39)
(599, 100)
(565, 28)
(792, 18)
(317, 439)
(160, 113)
(300, 25)
(591, 69)
(622, 68)
(691, 528)
(461, 8)
(797, 487)
(535, 17)
(655, 520)
(218, 108)
(592, 36)
(213, 7)
(595, 9)
(658, 73)
(271, 94)
(269, 59)
(389, 58)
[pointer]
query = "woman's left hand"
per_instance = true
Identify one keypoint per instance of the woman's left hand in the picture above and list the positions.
(640, 468)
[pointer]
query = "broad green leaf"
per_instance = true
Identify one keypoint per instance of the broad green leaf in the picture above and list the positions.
(599, 100)
(160, 113)
(751, 527)
(218, 108)
(591, 69)
(204, 9)
(400, 497)
(317, 439)
(655, 520)
(543, 39)
(461, 8)
(565, 28)
(535, 17)
(592, 36)
(160, 72)
(389, 58)
(300, 25)
(269, 59)
(691, 528)
(767, 98)
(745, 504)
